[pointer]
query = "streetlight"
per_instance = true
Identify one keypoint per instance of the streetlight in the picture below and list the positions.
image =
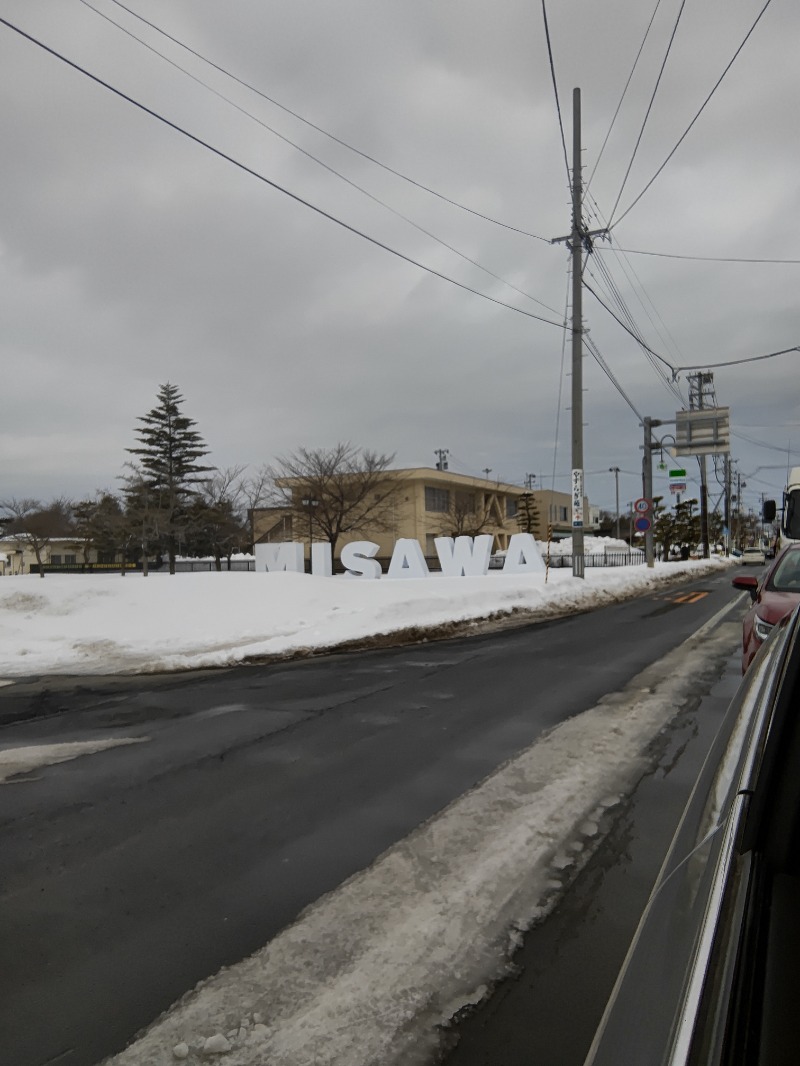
(615, 471)
(310, 504)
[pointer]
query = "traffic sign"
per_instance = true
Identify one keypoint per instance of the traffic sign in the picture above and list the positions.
(677, 475)
(642, 506)
(642, 524)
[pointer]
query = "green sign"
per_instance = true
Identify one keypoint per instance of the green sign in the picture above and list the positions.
(678, 475)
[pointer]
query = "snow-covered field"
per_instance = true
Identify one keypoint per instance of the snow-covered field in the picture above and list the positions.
(367, 974)
(106, 623)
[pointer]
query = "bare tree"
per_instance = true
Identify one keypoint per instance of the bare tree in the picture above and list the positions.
(216, 522)
(467, 516)
(336, 491)
(33, 524)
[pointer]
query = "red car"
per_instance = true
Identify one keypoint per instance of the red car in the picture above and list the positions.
(774, 596)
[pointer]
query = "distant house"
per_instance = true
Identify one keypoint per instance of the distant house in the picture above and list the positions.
(66, 552)
(425, 504)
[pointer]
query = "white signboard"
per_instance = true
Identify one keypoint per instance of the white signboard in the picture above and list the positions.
(577, 499)
(462, 557)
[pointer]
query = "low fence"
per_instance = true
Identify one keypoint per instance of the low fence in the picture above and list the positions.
(182, 566)
(598, 559)
(200, 566)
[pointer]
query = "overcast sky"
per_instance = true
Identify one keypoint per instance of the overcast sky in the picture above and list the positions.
(131, 255)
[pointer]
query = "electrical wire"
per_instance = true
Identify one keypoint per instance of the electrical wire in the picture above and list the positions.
(649, 109)
(315, 159)
(561, 375)
(268, 181)
(624, 91)
(737, 362)
(638, 287)
(683, 136)
(595, 351)
(555, 89)
(702, 258)
(627, 329)
(326, 133)
(617, 298)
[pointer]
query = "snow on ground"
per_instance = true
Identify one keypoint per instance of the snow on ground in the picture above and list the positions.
(106, 623)
(23, 760)
(367, 974)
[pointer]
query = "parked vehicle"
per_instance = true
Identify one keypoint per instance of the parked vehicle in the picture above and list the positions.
(753, 557)
(775, 596)
(711, 975)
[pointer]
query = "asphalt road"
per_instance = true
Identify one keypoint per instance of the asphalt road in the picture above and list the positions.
(129, 875)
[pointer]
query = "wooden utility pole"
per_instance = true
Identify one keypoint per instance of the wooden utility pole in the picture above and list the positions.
(578, 562)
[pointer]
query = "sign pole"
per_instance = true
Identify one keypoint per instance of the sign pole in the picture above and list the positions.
(647, 484)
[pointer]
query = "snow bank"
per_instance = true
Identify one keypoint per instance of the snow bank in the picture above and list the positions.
(106, 623)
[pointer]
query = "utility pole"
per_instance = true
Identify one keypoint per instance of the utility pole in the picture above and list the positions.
(578, 239)
(727, 511)
(578, 562)
(442, 454)
(615, 471)
(487, 470)
(698, 384)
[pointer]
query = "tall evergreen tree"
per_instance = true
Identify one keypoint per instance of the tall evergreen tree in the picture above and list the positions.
(169, 454)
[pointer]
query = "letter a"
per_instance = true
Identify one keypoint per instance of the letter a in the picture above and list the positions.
(523, 557)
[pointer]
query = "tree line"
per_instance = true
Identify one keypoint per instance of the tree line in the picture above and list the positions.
(171, 502)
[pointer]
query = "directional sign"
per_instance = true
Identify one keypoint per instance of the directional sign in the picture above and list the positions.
(677, 475)
(642, 524)
(642, 506)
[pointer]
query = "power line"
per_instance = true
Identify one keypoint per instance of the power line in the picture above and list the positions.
(737, 362)
(634, 281)
(590, 344)
(704, 258)
(617, 297)
(649, 109)
(624, 91)
(315, 159)
(696, 117)
(268, 181)
(627, 329)
(326, 133)
(555, 88)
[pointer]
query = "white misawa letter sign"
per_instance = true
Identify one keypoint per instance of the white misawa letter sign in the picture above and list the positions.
(459, 557)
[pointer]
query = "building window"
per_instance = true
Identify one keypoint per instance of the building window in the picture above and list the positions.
(430, 545)
(562, 514)
(511, 507)
(70, 560)
(437, 500)
(55, 560)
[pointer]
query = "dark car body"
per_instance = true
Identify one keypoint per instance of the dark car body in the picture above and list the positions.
(711, 976)
(774, 596)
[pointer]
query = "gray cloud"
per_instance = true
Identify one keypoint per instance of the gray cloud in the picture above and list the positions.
(130, 256)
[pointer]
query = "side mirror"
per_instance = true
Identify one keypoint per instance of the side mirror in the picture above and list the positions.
(748, 583)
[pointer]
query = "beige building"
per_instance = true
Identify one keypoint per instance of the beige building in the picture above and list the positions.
(427, 504)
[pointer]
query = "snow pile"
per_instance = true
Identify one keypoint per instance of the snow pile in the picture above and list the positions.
(106, 623)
